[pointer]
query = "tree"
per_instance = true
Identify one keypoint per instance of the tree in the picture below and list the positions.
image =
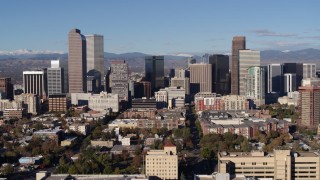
(107, 169)
(6, 170)
(137, 161)
(73, 170)
(206, 153)
(117, 170)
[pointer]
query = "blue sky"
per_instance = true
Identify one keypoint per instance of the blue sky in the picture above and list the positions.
(163, 26)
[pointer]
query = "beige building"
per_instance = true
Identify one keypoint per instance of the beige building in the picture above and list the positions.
(30, 101)
(235, 102)
(281, 164)
(163, 163)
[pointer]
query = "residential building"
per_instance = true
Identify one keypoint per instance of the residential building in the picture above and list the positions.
(309, 106)
(238, 43)
(235, 102)
(6, 88)
(77, 62)
(154, 72)
(163, 163)
(34, 83)
(281, 164)
(220, 73)
(119, 79)
(200, 78)
(55, 78)
(81, 128)
(53, 134)
(255, 88)
(247, 59)
(13, 113)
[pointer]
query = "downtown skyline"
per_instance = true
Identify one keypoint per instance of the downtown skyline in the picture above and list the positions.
(164, 27)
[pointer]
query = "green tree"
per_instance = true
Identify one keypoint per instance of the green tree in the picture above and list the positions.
(7, 170)
(107, 169)
(73, 170)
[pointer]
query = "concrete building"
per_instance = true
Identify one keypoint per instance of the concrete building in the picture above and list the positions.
(238, 43)
(180, 80)
(310, 82)
(162, 163)
(77, 62)
(200, 78)
(58, 103)
(220, 73)
(34, 83)
(55, 78)
(274, 78)
(255, 88)
(104, 101)
(235, 102)
(94, 81)
(144, 103)
(207, 101)
(290, 82)
(6, 88)
(168, 94)
(119, 79)
(309, 70)
(81, 128)
(13, 113)
(309, 105)
(31, 102)
(95, 53)
(154, 72)
(247, 59)
(281, 164)
(7, 104)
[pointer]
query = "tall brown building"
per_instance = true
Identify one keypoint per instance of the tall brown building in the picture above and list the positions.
(200, 78)
(238, 43)
(77, 62)
(309, 106)
(6, 88)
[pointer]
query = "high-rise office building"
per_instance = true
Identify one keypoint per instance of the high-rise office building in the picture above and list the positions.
(55, 78)
(200, 78)
(247, 59)
(180, 80)
(77, 63)
(95, 53)
(294, 68)
(220, 73)
(290, 82)
(275, 78)
(191, 60)
(142, 89)
(94, 81)
(256, 85)
(119, 79)
(309, 105)
(309, 70)
(34, 83)
(154, 72)
(238, 43)
(6, 88)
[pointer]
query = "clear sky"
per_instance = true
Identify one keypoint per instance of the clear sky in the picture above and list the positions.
(163, 26)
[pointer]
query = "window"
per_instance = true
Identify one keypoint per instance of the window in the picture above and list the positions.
(265, 163)
(243, 163)
(254, 163)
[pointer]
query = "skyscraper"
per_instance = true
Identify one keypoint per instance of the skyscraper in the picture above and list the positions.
(34, 83)
(309, 105)
(119, 79)
(275, 78)
(294, 68)
(220, 73)
(290, 82)
(77, 64)
(95, 53)
(256, 85)
(309, 70)
(6, 88)
(55, 78)
(238, 43)
(154, 72)
(200, 78)
(247, 59)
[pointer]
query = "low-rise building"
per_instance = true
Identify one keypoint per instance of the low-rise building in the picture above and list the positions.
(68, 141)
(100, 143)
(13, 113)
(163, 163)
(53, 134)
(281, 164)
(58, 103)
(81, 128)
(123, 123)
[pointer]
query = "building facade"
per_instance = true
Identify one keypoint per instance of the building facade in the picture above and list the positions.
(238, 43)
(154, 72)
(162, 163)
(200, 78)
(104, 101)
(6, 88)
(290, 82)
(77, 62)
(119, 79)
(55, 78)
(34, 82)
(220, 73)
(58, 103)
(309, 105)
(255, 88)
(247, 59)
(309, 70)
(30, 102)
(275, 78)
